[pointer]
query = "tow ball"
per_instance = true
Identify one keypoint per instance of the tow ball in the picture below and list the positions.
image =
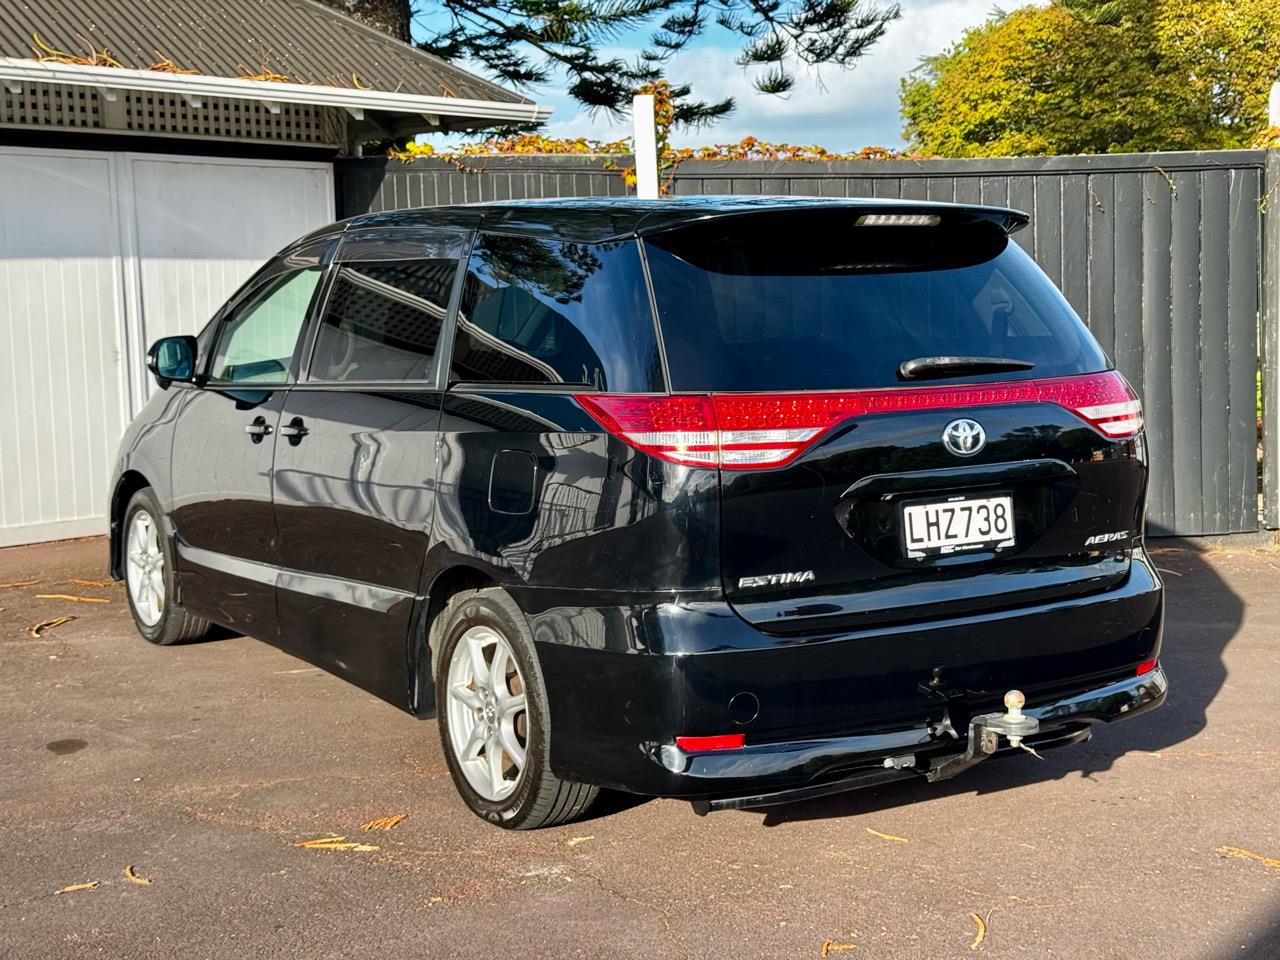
(1013, 723)
(985, 731)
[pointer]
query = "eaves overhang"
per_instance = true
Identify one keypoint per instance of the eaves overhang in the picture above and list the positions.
(436, 111)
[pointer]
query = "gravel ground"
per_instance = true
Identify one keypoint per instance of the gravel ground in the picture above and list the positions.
(200, 767)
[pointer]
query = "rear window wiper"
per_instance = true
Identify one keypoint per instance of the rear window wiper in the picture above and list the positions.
(930, 368)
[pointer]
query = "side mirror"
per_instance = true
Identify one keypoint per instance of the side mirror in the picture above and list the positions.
(172, 359)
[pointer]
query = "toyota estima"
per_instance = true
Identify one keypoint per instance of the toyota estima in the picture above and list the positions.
(736, 500)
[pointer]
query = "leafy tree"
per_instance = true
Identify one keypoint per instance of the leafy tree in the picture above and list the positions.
(1229, 51)
(1095, 76)
(1106, 12)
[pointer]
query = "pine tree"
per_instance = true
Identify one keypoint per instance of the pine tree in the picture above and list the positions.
(530, 43)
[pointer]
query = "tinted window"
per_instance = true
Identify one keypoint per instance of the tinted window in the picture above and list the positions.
(810, 302)
(257, 340)
(538, 311)
(383, 320)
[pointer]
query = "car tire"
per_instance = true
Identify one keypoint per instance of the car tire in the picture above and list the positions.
(499, 764)
(147, 563)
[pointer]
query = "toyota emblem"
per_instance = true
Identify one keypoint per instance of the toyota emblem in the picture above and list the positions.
(964, 437)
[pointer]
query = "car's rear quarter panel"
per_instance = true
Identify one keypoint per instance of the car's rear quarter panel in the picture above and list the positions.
(534, 493)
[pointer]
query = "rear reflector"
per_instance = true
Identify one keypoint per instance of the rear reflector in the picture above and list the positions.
(736, 431)
(725, 741)
(1146, 666)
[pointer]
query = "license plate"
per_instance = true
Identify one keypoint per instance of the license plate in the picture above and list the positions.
(959, 525)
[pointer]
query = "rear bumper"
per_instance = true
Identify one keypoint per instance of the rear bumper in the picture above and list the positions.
(1063, 723)
(623, 682)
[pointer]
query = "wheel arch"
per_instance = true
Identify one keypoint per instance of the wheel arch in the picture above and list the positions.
(130, 482)
(423, 661)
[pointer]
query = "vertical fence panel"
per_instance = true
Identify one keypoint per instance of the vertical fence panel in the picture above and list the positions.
(1075, 213)
(859, 188)
(1100, 256)
(1242, 337)
(968, 189)
(1046, 225)
(1184, 344)
(1127, 302)
(1270, 317)
(1215, 473)
(1158, 252)
(1157, 226)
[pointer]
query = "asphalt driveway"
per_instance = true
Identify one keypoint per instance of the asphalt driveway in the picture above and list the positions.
(200, 769)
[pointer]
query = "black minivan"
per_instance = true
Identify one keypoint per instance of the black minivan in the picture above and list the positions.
(740, 500)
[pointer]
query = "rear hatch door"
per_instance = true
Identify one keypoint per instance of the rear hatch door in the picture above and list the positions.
(913, 423)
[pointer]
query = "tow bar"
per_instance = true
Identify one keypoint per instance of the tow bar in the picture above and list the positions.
(1072, 721)
(985, 731)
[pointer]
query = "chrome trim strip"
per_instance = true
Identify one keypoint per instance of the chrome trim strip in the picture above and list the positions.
(353, 592)
(365, 595)
(253, 570)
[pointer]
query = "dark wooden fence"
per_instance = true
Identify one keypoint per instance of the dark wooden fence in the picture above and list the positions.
(1162, 254)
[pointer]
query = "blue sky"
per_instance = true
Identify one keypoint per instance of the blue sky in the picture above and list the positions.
(837, 109)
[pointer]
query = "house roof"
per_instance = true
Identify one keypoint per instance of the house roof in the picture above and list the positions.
(299, 39)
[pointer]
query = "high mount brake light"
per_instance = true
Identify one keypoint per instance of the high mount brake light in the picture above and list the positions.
(899, 220)
(737, 431)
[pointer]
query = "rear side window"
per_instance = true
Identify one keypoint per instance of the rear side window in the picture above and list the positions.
(812, 301)
(554, 312)
(385, 311)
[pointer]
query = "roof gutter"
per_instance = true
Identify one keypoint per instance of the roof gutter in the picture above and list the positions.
(194, 87)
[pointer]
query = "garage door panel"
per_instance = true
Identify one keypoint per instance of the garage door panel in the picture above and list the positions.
(60, 352)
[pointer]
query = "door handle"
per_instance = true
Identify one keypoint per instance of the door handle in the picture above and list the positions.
(295, 431)
(258, 429)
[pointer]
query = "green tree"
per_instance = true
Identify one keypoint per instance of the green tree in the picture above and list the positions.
(1096, 76)
(1229, 52)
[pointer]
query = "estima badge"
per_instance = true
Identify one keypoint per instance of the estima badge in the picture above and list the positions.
(964, 437)
(776, 579)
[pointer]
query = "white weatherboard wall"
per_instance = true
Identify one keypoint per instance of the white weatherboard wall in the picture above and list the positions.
(101, 253)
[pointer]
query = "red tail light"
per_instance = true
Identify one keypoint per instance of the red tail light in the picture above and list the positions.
(736, 431)
(724, 741)
(1146, 666)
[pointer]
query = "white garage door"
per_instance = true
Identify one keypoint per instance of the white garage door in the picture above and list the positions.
(100, 253)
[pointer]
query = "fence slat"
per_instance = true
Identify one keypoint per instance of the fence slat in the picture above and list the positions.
(1157, 240)
(1075, 212)
(1184, 344)
(1215, 473)
(1100, 255)
(1242, 350)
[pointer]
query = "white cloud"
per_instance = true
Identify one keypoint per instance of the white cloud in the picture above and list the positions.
(838, 109)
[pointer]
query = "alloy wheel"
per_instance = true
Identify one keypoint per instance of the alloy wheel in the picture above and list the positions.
(487, 712)
(144, 569)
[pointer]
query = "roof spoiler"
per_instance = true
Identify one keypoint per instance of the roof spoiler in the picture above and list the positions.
(1006, 218)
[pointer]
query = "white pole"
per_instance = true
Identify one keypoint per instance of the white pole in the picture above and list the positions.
(646, 146)
(1275, 104)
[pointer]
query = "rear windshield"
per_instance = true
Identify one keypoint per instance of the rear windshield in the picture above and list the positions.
(805, 301)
